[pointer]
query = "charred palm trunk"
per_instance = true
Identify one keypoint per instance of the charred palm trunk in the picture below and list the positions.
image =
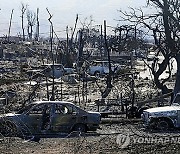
(177, 83)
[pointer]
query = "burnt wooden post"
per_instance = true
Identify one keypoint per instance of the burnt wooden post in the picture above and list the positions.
(133, 91)
(101, 42)
(51, 39)
(37, 28)
(72, 36)
(1, 52)
(81, 44)
(67, 40)
(109, 78)
(47, 88)
(122, 105)
(10, 23)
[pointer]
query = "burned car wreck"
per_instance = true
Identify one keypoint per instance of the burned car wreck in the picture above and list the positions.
(163, 118)
(46, 117)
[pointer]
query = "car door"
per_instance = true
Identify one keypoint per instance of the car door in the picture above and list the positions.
(178, 118)
(64, 118)
(34, 117)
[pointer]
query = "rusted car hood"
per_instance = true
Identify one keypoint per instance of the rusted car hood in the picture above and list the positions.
(163, 109)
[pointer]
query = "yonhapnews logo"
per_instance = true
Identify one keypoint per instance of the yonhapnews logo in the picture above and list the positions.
(124, 140)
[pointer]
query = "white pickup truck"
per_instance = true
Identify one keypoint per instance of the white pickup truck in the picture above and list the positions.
(99, 68)
(165, 117)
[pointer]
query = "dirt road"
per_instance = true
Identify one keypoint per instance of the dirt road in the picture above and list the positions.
(123, 137)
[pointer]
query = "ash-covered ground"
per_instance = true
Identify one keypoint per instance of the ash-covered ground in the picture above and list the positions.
(106, 140)
(117, 135)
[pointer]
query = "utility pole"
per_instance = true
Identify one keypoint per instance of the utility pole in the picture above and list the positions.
(67, 39)
(37, 28)
(10, 23)
(101, 41)
(51, 39)
(109, 78)
(132, 75)
(109, 86)
(72, 36)
(81, 45)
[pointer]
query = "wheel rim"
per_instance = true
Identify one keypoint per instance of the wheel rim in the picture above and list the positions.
(163, 125)
(80, 128)
(9, 129)
(97, 74)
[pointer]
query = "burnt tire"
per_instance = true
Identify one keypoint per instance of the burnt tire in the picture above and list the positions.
(140, 111)
(80, 128)
(97, 74)
(163, 124)
(8, 129)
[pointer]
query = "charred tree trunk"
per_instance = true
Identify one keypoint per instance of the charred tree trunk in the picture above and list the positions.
(9, 32)
(177, 84)
(23, 10)
(171, 49)
(37, 28)
(81, 45)
(71, 48)
(109, 77)
(156, 74)
(23, 31)
(31, 18)
(31, 31)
